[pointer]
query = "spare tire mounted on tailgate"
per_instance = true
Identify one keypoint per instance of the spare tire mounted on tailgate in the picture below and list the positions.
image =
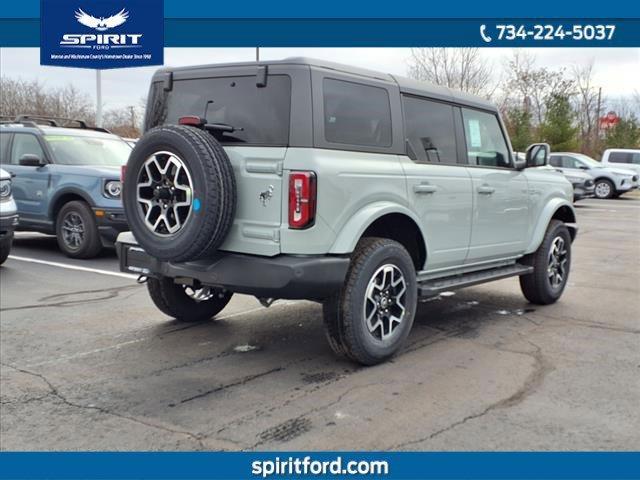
(179, 193)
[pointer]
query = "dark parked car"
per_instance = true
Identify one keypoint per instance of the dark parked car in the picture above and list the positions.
(67, 181)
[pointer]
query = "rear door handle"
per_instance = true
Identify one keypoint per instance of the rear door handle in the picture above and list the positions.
(425, 188)
(486, 190)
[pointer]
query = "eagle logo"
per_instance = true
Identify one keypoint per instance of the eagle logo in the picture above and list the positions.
(101, 24)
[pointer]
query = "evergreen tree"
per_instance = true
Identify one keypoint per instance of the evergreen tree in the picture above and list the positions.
(520, 128)
(558, 129)
(625, 134)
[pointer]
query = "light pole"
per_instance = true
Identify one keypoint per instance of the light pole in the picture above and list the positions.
(98, 98)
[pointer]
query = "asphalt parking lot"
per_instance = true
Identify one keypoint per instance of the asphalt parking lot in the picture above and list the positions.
(88, 363)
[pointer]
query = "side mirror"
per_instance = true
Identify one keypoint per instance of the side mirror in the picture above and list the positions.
(30, 160)
(538, 155)
(583, 167)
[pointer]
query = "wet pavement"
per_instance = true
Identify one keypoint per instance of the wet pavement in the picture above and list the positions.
(87, 362)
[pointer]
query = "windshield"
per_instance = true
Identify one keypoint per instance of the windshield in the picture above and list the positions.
(588, 160)
(81, 150)
(258, 115)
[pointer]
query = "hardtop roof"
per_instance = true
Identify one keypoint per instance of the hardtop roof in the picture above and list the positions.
(406, 85)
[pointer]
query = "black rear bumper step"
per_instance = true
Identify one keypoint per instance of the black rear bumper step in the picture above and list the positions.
(432, 288)
(283, 276)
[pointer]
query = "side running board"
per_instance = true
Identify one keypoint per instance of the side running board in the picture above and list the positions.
(432, 288)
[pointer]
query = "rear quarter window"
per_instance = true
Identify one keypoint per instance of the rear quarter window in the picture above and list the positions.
(356, 114)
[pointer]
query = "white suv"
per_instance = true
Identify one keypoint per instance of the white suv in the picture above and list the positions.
(626, 158)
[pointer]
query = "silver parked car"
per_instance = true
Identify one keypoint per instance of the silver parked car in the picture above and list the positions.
(609, 182)
(8, 215)
(583, 183)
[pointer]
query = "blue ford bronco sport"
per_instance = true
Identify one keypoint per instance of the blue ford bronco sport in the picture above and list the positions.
(67, 180)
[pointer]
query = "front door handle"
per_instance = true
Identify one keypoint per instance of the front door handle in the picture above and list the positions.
(425, 188)
(486, 190)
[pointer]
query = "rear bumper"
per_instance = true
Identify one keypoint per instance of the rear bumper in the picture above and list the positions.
(111, 222)
(284, 276)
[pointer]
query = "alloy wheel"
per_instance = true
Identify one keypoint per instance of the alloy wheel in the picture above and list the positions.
(384, 304)
(199, 294)
(557, 262)
(164, 192)
(73, 230)
(603, 190)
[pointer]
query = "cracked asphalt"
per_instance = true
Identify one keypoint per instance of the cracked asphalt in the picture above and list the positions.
(88, 363)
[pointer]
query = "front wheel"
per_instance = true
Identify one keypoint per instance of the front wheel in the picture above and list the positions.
(77, 231)
(604, 189)
(369, 319)
(185, 303)
(551, 264)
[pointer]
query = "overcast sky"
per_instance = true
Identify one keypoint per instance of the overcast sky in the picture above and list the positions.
(617, 69)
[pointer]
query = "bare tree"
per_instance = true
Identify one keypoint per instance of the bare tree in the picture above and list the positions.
(18, 96)
(124, 121)
(459, 68)
(588, 108)
(533, 87)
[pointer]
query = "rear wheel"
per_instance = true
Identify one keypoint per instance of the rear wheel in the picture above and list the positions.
(604, 188)
(551, 264)
(369, 319)
(185, 303)
(77, 231)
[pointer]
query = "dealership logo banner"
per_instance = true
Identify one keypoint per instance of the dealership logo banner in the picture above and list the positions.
(101, 34)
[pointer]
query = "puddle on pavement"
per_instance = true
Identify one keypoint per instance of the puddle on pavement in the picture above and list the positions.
(245, 348)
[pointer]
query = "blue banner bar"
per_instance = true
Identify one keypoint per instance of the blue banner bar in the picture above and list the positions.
(405, 465)
(368, 9)
(371, 33)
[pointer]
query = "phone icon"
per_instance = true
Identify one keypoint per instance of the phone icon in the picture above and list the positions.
(484, 36)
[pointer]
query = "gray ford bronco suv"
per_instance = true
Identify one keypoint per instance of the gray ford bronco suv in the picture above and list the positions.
(304, 179)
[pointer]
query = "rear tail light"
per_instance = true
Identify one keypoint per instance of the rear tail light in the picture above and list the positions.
(302, 199)
(123, 172)
(192, 121)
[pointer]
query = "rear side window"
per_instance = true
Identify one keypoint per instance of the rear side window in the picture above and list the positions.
(23, 144)
(430, 130)
(356, 114)
(260, 115)
(486, 145)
